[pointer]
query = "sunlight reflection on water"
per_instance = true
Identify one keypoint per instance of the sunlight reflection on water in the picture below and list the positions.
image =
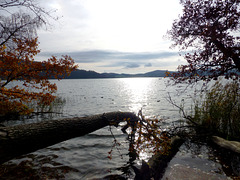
(88, 97)
(138, 91)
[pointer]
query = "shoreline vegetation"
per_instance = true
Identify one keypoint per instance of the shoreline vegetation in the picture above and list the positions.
(218, 110)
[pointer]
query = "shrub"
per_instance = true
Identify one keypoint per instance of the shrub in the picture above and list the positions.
(10, 111)
(220, 109)
(55, 106)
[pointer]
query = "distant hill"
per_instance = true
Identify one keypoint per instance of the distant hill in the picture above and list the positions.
(83, 74)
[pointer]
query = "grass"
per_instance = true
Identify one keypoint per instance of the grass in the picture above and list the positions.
(10, 112)
(219, 110)
(55, 106)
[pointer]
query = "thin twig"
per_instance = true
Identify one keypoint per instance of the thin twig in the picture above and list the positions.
(115, 142)
(169, 99)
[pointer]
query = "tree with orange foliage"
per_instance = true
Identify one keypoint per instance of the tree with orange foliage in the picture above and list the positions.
(19, 64)
(18, 47)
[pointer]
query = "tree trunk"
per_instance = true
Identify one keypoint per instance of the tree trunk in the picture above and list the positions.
(23, 139)
(159, 162)
(155, 168)
(228, 52)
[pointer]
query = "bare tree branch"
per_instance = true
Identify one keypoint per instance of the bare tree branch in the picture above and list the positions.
(182, 110)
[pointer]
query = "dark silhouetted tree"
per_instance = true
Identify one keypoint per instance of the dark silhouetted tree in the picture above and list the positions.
(19, 19)
(209, 31)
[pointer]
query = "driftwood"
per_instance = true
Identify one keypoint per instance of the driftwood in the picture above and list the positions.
(233, 146)
(23, 139)
(231, 150)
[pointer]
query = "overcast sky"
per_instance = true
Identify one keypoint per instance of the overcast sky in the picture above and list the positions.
(123, 36)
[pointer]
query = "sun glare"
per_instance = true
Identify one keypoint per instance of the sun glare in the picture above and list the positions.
(137, 90)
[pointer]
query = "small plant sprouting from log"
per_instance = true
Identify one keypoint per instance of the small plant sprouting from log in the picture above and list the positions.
(152, 137)
(145, 136)
(149, 136)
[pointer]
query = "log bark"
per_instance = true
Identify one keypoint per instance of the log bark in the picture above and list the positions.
(159, 162)
(155, 168)
(23, 139)
(233, 146)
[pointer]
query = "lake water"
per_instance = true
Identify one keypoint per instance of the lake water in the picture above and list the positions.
(86, 157)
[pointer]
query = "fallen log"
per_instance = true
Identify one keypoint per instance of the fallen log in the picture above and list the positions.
(157, 164)
(23, 139)
(231, 151)
(233, 146)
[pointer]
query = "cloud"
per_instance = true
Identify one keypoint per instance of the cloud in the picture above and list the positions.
(132, 65)
(148, 65)
(121, 62)
(149, 55)
(104, 55)
(85, 56)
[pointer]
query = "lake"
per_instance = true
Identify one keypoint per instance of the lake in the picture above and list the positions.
(86, 157)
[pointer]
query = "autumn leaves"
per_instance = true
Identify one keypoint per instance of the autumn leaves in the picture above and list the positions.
(19, 64)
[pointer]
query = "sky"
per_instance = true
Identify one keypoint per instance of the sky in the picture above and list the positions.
(121, 36)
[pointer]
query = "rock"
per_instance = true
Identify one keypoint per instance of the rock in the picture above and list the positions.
(111, 177)
(230, 145)
(180, 172)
